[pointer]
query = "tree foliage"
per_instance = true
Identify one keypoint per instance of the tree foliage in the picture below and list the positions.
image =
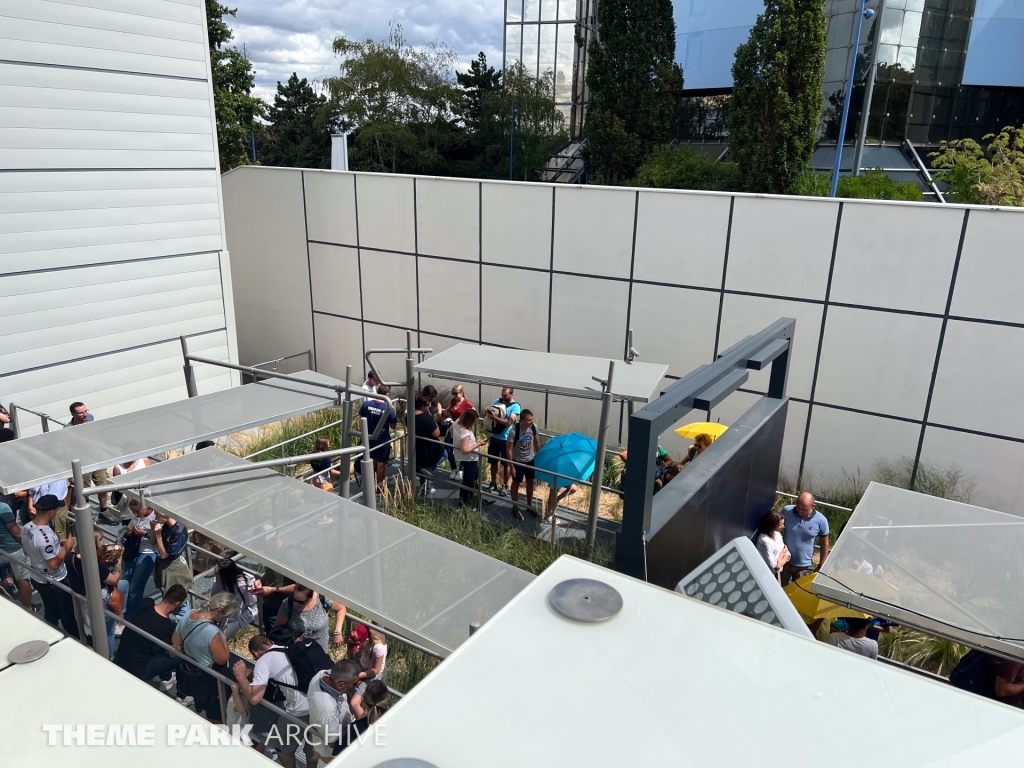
(298, 134)
(872, 184)
(776, 98)
(235, 107)
(986, 175)
(635, 86)
(682, 168)
(481, 81)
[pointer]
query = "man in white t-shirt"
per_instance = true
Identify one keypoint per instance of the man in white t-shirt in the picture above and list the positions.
(46, 553)
(855, 638)
(272, 664)
(329, 711)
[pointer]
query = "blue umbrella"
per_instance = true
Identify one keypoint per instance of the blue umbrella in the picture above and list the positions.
(571, 454)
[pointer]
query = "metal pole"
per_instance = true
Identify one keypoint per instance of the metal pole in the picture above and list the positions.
(473, 627)
(346, 435)
(597, 479)
(869, 92)
(45, 422)
(309, 359)
(190, 376)
(846, 101)
(15, 426)
(369, 476)
(512, 139)
(410, 416)
(90, 564)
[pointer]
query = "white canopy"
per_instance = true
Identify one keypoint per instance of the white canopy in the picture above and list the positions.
(951, 569)
(671, 681)
(544, 371)
(46, 457)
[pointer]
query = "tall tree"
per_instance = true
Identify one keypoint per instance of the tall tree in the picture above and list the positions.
(635, 86)
(235, 107)
(299, 132)
(776, 94)
(476, 84)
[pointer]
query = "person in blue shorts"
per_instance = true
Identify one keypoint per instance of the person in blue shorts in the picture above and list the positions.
(501, 417)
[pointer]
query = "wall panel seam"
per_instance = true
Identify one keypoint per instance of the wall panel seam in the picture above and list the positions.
(104, 70)
(938, 347)
(309, 268)
(67, 267)
(7, 374)
(821, 341)
(551, 293)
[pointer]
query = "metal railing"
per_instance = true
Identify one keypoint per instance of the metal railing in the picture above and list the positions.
(276, 363)
(816, 503)
(44, 419)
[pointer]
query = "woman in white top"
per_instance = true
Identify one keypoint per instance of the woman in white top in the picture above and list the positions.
(465, 442)
(769, 541)
(234, 581)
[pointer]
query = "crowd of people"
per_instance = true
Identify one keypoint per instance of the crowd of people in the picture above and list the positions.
(147, 581)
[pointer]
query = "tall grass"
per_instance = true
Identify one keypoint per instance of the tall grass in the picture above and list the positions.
(917, 649)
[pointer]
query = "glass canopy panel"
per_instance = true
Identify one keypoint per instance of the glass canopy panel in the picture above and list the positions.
(544, 371)
(944, 567)
(419, 585)
(44, 458)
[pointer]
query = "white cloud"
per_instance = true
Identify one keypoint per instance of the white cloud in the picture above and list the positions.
(285, 36)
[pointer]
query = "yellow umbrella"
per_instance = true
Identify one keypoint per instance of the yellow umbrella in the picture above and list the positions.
(690, 431)
(811, 607)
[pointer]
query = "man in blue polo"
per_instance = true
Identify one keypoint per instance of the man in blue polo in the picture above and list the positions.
(374, 410)
(804, 524)
(502, 416)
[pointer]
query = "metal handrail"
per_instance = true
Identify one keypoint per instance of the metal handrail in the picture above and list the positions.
(295, 439)
(308, 353)
(816, 502)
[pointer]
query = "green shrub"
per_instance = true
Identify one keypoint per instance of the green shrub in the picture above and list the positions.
(682, 168)
(872, 185)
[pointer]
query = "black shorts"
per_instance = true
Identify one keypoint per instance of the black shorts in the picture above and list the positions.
(381, 453)
(522, 473)
(496, 448)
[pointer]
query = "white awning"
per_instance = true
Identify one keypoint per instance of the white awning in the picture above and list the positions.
(419, 585)
(46, 457)
(544, 371)
(947, 568)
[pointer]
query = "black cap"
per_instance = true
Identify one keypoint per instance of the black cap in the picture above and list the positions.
(47, 503)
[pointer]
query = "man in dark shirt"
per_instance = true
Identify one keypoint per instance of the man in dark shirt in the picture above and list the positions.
(142, 657)
(374, 410)
(1009, 682)
(428, 455)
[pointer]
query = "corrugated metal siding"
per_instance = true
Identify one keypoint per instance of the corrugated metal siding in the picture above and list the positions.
(111, 232)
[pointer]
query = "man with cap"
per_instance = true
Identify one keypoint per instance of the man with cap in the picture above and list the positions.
(46, 553)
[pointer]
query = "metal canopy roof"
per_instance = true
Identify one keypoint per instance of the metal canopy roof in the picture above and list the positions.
(422, 586)
(37, 693)
(708, 702)
(44, 458)
(947, 568)
(544, 371)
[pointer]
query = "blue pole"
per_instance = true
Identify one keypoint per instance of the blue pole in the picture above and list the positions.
(863, 14)
(512, 139)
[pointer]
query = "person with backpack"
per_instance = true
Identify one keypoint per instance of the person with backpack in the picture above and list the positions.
(276, 679)
(305, 613)
(329, 710)
(502, 415)
(523, 448)
(991, 677)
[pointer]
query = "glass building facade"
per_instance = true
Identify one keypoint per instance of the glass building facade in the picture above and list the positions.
(921, 48)
(542, 35)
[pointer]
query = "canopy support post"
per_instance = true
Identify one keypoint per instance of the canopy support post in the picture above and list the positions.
(369, 476)
(346, 435)
(410, 416)
(90, 564)
(190, 376)
(597, 479)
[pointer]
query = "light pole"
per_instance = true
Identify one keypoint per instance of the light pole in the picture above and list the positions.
(512, 138)
(864, 13)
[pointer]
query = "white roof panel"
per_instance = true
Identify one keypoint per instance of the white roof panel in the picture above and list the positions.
(71, 684)
(673, 681)
(544, 371)
(422, 586)
(46, 457)
(945, 567)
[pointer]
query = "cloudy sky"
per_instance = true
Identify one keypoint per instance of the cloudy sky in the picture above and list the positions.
(285, 36)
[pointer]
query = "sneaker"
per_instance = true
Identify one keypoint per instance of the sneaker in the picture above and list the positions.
(118, 630)
(456, 474)
(189, 702)
(493, 488)
(168, 685)
(502, 491)
(107, 517)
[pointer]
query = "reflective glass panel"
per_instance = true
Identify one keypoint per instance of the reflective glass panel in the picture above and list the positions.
(911, 28)
(563, 69)
(548, 10)
(513, 43)
(531, 10)
(530, 36)
(514, 10)
(567, 9)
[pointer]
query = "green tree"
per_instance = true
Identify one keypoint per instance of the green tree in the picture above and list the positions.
(235, 107)
(776, 96)
(540, 129)
(399, 100)
(872, 184)
(682, 168)
(635, 86)
(476, 84)
(298, 135)
(986, 175)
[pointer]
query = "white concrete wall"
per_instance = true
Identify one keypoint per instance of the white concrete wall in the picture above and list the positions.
(111, 223)
(910, 328)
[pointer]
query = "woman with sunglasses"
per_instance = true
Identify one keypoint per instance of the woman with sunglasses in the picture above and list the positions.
(305, 612)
